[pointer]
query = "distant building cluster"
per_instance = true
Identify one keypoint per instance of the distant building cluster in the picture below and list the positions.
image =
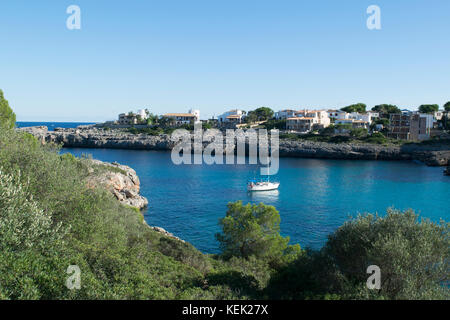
(405, 125)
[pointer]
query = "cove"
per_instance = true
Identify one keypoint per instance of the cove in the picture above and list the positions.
(315, 196)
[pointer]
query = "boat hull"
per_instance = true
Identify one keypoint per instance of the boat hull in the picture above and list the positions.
(264, 187)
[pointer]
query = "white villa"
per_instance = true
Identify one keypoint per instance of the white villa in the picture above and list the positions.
(284, 114)
(177, 119)
(337, 114)
(234, 116)
(132, 118)
(308, 120)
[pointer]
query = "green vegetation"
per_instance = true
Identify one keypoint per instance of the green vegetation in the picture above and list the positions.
(260, 114)
(275, 124)
(428, 108)
(412, 254)
(386, 109)
(358, 135)
(447, 106)
(358, 107)
(253, 230)
(7, 116)
(413, 257)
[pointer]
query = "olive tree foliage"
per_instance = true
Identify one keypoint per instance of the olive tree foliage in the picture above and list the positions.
(7, 116)
(23, 225)
(413, 256)
(253, 230)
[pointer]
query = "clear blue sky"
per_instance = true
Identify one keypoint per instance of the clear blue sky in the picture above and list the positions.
(214, 55)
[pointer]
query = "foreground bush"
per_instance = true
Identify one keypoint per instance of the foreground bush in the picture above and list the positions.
(413, 256)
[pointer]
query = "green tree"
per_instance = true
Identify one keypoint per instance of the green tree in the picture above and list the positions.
(358, 107)
(413, 255)
(358, 132)
(428, 108)
(253, 230)
(447, 106)
(386, 109)
(7, 116)
(260, 114)
(275, 124)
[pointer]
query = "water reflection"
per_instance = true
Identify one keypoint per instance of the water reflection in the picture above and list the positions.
(264, 196)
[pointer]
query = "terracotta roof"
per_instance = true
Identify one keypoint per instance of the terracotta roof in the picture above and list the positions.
(179, 115)
(234, 116)
(300, 118)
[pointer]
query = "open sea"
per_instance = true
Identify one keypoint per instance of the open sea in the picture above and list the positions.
(315, 196)
(51, 125)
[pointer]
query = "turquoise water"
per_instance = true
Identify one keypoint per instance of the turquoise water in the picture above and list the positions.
(314, 198)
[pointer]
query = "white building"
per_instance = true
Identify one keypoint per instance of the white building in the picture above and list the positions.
(193, 116)
(232, 116)
(337, 114)
(308, 120)
(438, 115)
(352, 122)
(142, 114)
(284, 114)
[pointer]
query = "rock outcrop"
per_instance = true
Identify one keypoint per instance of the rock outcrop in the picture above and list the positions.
(91, 137)
(122, 181)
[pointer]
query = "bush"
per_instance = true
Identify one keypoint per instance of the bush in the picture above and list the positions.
(413, 256)
(377, 138)
(358, 133)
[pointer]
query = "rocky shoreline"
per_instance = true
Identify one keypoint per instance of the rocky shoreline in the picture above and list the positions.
(90, 137)
(123, 182)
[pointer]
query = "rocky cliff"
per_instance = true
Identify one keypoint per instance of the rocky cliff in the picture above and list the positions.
(122, 181)
(431, 154)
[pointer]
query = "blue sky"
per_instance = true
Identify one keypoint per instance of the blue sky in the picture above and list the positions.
(216, 55)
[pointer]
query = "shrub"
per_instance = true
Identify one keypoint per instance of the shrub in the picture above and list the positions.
(377, 138)
(413, 256)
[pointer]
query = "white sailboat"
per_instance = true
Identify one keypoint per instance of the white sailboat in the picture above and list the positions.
(262, 185)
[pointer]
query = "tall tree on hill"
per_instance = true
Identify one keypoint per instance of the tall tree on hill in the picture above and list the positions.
(447, 106)
(428, 108)
(358, 107)
(7, 116)
(260, 114)
(386, 109)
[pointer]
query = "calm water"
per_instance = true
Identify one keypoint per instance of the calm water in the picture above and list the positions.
(314, 198)
(51, 125)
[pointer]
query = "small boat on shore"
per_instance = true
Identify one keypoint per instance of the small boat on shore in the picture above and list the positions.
(262, 185)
